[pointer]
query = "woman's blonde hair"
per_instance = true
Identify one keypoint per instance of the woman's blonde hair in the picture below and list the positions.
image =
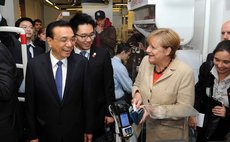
(168, 39)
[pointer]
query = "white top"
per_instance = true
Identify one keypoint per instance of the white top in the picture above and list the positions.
(220, 88)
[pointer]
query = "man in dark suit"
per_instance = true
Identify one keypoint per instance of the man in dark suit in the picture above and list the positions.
(32, 50)
(8, 97)
(100, 68)
(58, 101)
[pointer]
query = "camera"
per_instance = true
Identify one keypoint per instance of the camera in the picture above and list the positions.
(120, 112)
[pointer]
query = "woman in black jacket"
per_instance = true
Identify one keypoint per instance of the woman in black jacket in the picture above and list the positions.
(212, 97)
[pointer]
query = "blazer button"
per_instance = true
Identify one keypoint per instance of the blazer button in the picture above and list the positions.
(148, 101)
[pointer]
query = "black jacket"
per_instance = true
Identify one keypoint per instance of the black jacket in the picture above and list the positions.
(204, 104)
(8, 97)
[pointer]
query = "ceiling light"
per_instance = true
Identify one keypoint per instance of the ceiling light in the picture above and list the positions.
(49, 2)
(56, 7)
(120, 4)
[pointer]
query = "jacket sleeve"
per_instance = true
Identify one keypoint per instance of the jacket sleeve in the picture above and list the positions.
(108, 81)
(7, 74)
(205, 79)
(30, 103)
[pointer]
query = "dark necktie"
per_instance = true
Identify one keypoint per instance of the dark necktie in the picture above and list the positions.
(58, 79)
(83, 53)
(29, 55)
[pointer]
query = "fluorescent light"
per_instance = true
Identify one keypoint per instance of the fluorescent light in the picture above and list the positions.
(56, 7)
(74, 9)
(121, 4)
(49, 2)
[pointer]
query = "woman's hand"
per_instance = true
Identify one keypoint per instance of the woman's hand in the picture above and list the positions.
(219, 111)
(137, 100)
(192, 121)
(108, 120)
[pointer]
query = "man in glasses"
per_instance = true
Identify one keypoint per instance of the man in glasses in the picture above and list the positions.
(100, 68)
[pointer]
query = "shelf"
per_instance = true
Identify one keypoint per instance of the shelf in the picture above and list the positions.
(135, 4)
(148, 21)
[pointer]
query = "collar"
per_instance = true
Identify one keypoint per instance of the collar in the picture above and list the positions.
(55, 60)
(117, 58)
(31, 44)
(77, 50)
(215, 74)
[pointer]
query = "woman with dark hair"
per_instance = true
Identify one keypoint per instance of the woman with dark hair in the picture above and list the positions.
(40, 40)
(212, 97)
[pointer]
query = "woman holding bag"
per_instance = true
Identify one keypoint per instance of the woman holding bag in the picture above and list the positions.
(212, 97)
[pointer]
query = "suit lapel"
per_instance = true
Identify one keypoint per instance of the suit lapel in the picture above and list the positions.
(69, 76)
(50, 77)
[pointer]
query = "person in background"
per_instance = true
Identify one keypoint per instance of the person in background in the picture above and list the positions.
(106, 33)
(122, 81)
(28, 25)
(59, 104)
(164, 88)
(101, 72)
(225, 35)
(32, 51)
(37, 26)
(213, 83)
(8, 97)
(40, 40)
(137, 43)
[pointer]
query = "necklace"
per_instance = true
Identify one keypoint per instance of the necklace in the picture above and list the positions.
(160, 72)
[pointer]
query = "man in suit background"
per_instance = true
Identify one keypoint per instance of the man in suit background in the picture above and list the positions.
(32, 50)
(100, 68)
(225, 35)
(59, 110)
(8, 97)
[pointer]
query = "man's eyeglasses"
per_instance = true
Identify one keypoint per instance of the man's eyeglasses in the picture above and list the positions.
(86, 36)
(65, 40)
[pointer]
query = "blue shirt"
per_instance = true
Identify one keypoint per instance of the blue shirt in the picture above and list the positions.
(122, 81)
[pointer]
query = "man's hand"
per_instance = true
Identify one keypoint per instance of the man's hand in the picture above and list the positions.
(36, 140)
(192, 122)
(99, 29)
(88, 137)
(108, 120)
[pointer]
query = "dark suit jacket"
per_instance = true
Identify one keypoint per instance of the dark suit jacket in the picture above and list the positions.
(101, 71)
(50, 119)
(8, 97)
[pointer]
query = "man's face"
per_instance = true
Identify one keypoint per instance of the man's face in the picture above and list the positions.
(28, 27)
(101, 22)
(62, 42)
(84, 37)
(225, 31)
(37, 26)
